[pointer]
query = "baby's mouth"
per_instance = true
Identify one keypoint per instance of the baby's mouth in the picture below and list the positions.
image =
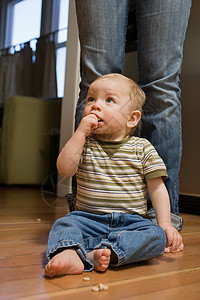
(99, 120)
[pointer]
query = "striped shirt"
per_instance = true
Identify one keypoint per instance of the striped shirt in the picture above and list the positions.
(111, 176)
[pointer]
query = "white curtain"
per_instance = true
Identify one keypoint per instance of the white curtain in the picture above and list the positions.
(45, 68)
(20, 74)
(3, 63)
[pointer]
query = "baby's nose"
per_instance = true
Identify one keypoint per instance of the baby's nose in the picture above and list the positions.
(97, 106)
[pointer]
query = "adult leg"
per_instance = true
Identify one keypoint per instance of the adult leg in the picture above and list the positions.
(102, 33)
(161, 27)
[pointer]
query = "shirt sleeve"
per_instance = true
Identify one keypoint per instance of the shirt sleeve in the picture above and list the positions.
(153, 165)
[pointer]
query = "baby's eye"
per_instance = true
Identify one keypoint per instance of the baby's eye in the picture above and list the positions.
(89, 100)
(109, 100)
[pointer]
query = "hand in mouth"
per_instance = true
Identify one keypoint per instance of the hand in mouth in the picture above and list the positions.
(98, 118)
(99, 122)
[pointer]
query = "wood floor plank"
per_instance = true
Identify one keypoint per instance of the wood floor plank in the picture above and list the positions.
(191, 223)
(22, 247)
(20, 226)
(21, 273)
(187, 292)
(21, 204)
(137, 288)
(27, 287)
(24, 233)
(21, 260)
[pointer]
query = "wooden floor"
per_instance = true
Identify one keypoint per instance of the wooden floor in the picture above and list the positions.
(26, 216)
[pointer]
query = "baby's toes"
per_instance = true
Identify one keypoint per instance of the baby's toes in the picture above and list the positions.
(48, 271)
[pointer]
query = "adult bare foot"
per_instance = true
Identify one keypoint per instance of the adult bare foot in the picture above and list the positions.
(63, 263)
(100, 258)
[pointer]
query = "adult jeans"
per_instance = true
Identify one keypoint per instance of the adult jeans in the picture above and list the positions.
(131, 237)
(161, 29)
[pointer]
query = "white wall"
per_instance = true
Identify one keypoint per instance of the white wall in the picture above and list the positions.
(71, 91)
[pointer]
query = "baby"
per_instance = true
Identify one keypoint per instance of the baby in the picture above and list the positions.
(113, 170)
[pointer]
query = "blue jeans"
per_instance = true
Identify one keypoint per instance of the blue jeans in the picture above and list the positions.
(161, 29)
(131, 237)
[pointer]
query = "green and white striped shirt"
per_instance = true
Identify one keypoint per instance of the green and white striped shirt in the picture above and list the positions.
(112, 176)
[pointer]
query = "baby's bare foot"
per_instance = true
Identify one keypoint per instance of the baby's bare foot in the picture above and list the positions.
(63, 263)
(100, 258)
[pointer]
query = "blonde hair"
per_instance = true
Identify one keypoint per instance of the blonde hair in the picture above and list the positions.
(137, 95)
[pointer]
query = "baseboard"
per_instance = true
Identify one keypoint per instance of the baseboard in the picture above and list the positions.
(189, 204)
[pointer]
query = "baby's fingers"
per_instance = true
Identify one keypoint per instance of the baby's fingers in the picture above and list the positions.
(87, 124)
(170, 238)
(93, 121)
(177, 244)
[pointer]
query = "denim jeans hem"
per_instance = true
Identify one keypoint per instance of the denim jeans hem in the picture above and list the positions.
(88, 265)
(177, 221)
(120, 254)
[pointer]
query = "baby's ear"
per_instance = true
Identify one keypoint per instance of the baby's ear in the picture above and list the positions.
(134, 119)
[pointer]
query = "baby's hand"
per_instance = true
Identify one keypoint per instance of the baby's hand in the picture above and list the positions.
(88, 124)
(174, 239)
